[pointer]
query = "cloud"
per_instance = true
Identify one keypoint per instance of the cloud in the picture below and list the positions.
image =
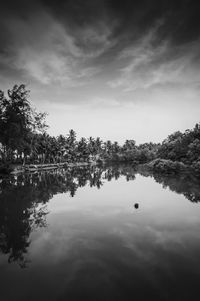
(49, 57)
(131, 44)
(96, 40)
(41, 49)
(146, 65)
(104, 103)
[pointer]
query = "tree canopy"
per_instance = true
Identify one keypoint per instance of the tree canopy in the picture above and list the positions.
(23, 138)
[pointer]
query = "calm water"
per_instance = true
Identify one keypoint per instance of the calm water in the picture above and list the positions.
(78, 235)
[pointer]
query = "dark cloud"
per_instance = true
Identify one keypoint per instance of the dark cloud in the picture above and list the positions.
(181, 18)
(66, 40)
(76, 13)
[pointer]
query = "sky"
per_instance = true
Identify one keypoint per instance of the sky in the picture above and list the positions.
(114, 69)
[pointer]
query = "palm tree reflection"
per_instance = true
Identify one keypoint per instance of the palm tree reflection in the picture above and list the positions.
(24, 198)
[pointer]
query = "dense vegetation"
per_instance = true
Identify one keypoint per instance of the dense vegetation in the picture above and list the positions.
(178, 152)
(24, 139)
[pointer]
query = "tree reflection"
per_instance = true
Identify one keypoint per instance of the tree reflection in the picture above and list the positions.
(185, 184)
(23, 199)
(22, 208)
(182, 184)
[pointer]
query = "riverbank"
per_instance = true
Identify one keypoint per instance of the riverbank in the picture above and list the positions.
(16, 169)
(172, 167)
(158, 165)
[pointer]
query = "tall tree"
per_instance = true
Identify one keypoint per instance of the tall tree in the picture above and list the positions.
(18, 122)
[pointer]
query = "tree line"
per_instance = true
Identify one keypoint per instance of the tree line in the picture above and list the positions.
(24, 139)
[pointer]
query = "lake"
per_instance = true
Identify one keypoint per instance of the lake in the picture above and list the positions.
(99, 233)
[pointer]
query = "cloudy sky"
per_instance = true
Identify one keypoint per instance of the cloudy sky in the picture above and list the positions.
(127, 69)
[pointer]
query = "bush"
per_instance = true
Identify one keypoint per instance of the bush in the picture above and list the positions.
(166, 166)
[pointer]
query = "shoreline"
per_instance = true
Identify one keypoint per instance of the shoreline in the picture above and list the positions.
(158, 165)
(43, 167)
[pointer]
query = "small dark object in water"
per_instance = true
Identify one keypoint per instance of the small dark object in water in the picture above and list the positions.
(136, 205)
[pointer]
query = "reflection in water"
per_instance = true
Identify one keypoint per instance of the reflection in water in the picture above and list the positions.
(128, 239)
(23, 199)
(22, 209)
(185, 184)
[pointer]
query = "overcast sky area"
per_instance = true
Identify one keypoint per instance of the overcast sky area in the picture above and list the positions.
(115, 69)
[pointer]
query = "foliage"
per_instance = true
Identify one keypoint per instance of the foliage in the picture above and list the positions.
(18, 123)
(182, 147)
(166, 166)
(23, 138)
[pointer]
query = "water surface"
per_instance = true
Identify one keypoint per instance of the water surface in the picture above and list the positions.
(99, 234)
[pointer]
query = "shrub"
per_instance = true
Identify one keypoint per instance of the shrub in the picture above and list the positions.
(166, 166)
